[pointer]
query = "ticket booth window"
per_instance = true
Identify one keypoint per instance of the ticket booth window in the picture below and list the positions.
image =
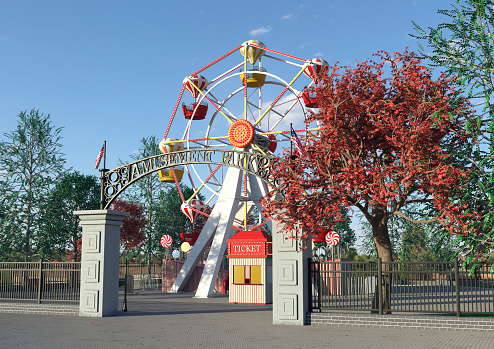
(247, 274)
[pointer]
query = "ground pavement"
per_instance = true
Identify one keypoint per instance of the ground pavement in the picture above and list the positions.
(160, 320)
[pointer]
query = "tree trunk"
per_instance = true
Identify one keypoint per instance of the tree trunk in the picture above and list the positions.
(383, 246)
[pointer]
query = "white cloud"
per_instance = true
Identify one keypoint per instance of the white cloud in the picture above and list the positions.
(135, 152)
(318, 54)
(261, 31)
(290, 16)
(295, 116)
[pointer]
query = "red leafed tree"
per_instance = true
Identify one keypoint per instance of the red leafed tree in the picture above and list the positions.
(381, 146)
(132, 229)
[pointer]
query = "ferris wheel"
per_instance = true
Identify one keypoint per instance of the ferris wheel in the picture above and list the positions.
(248, 106)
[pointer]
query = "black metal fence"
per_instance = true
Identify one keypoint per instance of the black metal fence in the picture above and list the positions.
(424, 287)
(144, 275)
(40, 281)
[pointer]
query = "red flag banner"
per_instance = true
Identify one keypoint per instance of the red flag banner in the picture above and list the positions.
(296, 141)
(100, 155)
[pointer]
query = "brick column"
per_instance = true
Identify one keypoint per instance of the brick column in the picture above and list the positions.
(99, 261)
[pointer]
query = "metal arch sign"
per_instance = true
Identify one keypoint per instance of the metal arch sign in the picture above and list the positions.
(113, 182)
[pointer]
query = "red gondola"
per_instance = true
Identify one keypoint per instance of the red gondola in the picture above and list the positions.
(319, 235)
(200, 111)
(191, 238)
(310, 98)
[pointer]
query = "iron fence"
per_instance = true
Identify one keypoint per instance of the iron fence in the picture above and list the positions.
(144, 275)
(40, 281)
(425, 287)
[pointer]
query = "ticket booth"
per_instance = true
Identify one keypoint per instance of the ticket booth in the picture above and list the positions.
(250, 261)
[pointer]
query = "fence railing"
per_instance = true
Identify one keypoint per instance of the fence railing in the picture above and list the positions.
(425, 287)
(144, 275)
(40, 281)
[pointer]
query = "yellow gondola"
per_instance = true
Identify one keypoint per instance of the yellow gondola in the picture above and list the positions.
(166, 176)
(254, 79)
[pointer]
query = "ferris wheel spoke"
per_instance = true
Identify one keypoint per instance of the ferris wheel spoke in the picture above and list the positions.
(282, 93)
(221, 105)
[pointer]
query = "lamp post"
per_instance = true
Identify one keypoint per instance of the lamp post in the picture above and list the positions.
(125, 287)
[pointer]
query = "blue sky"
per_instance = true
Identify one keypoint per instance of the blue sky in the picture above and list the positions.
(112, 70)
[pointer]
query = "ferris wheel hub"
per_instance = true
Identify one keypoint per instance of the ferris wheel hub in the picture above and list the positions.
(241, 133)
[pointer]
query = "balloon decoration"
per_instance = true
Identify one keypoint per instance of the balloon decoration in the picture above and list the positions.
(332, 238)
(253, 53)
(166, 241)
(176, 253)
(199, 81)
(186, 208)
(185, 247)
(317, 67)
(167, 147)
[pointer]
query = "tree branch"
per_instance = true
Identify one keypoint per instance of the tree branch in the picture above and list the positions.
(414, 220)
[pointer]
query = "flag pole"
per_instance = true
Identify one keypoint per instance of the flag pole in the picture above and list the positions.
(104, 158)
(291, 143)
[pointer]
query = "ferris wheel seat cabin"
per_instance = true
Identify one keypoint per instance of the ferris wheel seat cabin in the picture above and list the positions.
(195, 111)
(254, 79)
(166, 176)
(310, 99)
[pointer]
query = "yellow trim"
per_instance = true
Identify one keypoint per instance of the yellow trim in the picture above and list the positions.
(280, 132)
(185, 140)
(245, 82)
(259, 149)
(290, 84)
(195, 193)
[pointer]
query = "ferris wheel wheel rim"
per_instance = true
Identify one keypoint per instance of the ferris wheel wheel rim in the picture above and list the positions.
(281, 82)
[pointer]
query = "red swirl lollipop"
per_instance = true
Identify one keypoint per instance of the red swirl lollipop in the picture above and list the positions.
(332, 238)
(166, 241)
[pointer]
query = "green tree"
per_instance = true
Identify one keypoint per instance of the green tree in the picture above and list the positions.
(169, 218)
(60, 228)
(465, 48)
(344, 230)
(31, 158)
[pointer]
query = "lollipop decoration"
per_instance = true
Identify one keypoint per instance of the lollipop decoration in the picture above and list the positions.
(321, 252)
(185, 247)
(175, 253)
(332, 238)
(166, 241)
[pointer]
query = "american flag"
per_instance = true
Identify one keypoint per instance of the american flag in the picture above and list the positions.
(295, 140)
(100, 155)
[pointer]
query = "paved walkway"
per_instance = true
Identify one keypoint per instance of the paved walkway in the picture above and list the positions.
(160, 320)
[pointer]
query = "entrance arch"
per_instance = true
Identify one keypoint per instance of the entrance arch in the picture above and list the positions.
(114, 182)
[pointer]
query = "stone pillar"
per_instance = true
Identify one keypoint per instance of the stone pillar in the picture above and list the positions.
(99, 261)
(290, 278)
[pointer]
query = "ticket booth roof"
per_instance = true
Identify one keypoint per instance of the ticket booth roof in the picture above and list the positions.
(251, 236)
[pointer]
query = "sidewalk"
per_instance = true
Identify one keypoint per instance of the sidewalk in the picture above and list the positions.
(161, 320)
